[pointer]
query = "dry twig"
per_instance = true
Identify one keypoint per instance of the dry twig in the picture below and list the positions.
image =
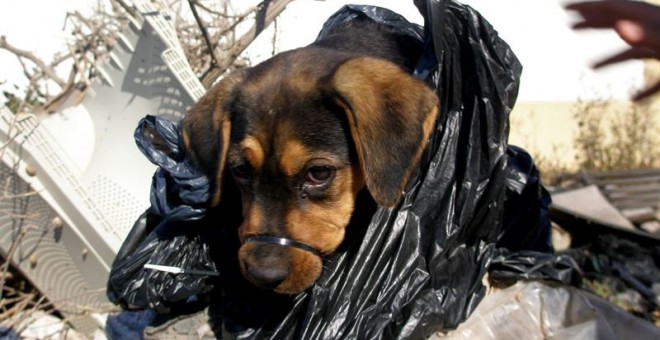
(92, 39)
(265, 15)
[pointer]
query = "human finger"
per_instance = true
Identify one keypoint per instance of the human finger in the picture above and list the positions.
(603, 12)
(628, 54)
(636, 34)
(646, 93)
(586, 24)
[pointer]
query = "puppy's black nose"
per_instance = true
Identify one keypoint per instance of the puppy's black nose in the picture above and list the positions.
(268, 276)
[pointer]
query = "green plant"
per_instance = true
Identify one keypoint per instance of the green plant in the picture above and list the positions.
(550, 166)
(17, 102)
(612, 138)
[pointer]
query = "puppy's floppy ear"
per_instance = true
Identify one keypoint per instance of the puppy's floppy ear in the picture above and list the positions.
(206, 130)
(390, 115)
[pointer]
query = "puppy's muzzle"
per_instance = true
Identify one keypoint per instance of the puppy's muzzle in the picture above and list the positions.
(268, 264)
(285, 242)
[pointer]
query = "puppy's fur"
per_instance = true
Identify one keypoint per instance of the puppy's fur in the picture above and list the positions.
(302, 133)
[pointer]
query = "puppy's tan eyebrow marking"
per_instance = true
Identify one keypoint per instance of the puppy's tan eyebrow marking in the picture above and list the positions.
(293, 158)
(254, 152)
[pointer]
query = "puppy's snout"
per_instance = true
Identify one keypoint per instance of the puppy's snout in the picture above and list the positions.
(284, 270)
(268, 277)
(265, 265)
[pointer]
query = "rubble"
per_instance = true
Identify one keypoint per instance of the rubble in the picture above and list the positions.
(612, 218)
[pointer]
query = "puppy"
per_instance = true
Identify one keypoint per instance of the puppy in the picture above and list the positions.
(304, 132)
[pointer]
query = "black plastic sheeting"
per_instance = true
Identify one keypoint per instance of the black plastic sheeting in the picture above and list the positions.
(166, 233)
(404, 273)
(526, 207)
(622, 264)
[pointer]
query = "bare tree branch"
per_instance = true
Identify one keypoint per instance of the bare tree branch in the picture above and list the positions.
(221, 14)
(239, 19)
(92, 39)
(265, 16)
(205, 33)
(47, 70)
(129, 9)
(209, 42)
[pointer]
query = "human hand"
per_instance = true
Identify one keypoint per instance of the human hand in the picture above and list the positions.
(636, 22)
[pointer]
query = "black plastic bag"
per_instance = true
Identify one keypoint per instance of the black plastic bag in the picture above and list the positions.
(165, 234)
(407, 271)
(527, 206)
(509, 267)
(621, 264)
(416, 268)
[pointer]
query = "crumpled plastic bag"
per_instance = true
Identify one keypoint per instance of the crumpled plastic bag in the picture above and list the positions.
(509, 267)
(406, 271)
(534, 310)
(166, 233)
(179, 191)
(526, 207)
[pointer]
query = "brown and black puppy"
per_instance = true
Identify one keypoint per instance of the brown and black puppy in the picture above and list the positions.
(301, 134)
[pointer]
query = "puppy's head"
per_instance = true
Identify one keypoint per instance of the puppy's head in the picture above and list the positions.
(301, 134)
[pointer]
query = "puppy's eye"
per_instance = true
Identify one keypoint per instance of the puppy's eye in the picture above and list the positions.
(241, 172)
(319, 175)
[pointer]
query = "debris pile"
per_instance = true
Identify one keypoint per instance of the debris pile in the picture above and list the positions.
(614, 225)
